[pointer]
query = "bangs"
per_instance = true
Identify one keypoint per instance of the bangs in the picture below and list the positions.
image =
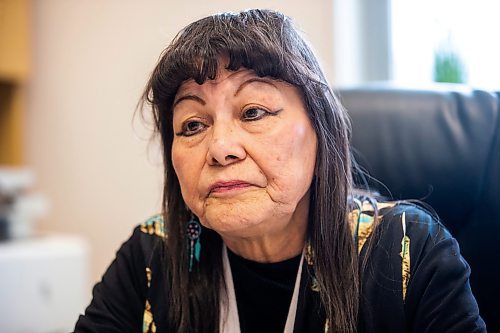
(202, 65)
(268, 45)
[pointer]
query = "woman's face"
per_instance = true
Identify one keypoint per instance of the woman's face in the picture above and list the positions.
(244, 152)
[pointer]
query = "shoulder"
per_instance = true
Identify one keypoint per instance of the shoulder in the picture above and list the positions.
(394, 220)
(122, 299)
(403, 236)
(412, 263)
(151, 235)
(145, 243)
(154, 225)
(410, 222)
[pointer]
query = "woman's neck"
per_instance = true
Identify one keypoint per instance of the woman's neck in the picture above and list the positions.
(269, 248)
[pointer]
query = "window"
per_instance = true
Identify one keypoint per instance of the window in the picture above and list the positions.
(464, 33)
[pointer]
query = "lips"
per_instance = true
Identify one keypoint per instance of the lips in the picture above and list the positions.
(226, 186)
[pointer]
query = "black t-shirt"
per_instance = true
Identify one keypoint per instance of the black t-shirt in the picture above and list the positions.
(263, 292)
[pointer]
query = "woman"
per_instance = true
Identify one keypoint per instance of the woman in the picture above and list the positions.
(261, 229)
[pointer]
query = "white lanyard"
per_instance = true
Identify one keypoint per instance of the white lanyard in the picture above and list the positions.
(229, 320)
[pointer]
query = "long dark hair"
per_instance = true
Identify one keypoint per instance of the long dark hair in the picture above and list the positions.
(266, 42)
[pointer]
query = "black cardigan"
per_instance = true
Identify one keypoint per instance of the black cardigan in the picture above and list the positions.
(432, 296)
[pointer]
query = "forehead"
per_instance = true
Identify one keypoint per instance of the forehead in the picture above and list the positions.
(224, 78)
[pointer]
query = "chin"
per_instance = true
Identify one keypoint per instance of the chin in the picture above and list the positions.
(239, 220)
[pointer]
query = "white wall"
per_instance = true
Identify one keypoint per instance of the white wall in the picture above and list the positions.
(362, 41)
(91, 60)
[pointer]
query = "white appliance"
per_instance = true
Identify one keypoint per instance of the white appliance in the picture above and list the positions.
(19, 207)
(43, 283)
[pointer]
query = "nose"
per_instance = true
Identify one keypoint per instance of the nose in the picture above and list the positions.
(225, 146)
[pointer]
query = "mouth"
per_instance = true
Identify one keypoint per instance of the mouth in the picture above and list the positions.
(228, 186)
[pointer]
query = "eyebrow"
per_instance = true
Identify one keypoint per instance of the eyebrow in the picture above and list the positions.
(243, 85)
(189, 97)
(252, 80)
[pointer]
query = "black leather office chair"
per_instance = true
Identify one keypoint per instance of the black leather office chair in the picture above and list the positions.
(441, 145)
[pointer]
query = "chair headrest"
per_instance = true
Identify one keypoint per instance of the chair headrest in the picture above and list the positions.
(433, 143)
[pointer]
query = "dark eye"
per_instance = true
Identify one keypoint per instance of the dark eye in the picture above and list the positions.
(192, 127)
(254, 114)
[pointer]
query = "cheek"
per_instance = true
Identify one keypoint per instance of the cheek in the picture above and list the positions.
(290, 166)
(177, 162)
(187, 169)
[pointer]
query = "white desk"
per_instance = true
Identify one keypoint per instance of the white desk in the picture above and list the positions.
(43, 283)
